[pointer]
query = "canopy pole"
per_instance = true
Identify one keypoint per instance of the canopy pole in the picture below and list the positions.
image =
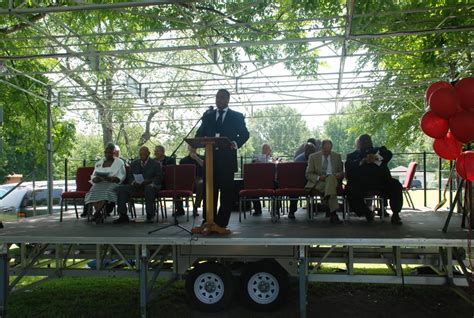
(49, 150)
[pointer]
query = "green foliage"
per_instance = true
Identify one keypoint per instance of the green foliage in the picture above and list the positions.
(280, 126)
(24, 131)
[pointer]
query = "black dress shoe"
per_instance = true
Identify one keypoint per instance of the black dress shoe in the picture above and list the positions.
(396, 219)
(291, 215)
(149, 219)
(179, 212)
(370, 216)
(257, 213)
(84, 214)
(122, 219)
(385, 213)
(334, 219)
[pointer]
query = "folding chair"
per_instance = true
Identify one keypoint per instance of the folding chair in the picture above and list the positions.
(259, 181)
(179, 184)
(291, 181)
(83, 176)
(407, 183)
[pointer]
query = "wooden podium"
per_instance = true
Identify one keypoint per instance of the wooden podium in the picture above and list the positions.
(209, 143)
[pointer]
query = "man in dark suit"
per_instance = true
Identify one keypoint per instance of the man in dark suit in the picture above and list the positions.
(162, 158)
(367, 170)
(224, 122)
(152, 175)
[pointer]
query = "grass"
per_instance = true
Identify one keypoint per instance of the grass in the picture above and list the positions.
(119, 297)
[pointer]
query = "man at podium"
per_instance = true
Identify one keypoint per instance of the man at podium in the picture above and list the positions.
(224, 122)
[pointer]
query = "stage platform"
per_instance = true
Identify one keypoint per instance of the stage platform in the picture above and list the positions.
(43, 246)
(419, 228)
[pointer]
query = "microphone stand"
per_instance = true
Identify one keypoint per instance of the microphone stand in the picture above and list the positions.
(173, 155)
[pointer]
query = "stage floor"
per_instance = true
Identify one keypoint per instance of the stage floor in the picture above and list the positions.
(420, 228)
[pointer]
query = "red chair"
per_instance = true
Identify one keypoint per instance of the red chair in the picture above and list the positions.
(291, 181)
(83, 175)
(259, 181)
(407, 183)
(179, 184)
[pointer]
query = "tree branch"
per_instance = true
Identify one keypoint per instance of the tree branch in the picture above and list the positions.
(21, 25)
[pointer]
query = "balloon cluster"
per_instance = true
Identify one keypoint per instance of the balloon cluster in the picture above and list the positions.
(450, 120)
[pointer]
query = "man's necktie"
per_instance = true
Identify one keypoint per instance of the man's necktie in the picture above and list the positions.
(325, 165)
(219, 120)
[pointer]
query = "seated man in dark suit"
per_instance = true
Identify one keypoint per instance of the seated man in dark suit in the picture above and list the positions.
(193, 158)
(145, 176)
(162, 158)
(367, 170)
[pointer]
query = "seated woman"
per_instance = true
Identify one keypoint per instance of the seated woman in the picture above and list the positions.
(108, 173)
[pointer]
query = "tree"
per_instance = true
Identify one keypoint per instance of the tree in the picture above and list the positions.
(24, 131)
(280, 126)
(398, 95)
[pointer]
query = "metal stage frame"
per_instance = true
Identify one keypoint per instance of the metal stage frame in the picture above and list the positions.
(43, 246)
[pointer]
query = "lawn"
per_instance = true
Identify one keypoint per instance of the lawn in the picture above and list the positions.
(118, 297)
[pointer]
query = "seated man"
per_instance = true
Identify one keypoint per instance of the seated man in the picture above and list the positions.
(367, 170)
(162, 158)
(300, 150)
(308, 150)
(324, 171)
(145, 176)
(194, 159)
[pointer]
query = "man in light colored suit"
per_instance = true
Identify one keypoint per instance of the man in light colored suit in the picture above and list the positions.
(324, 171)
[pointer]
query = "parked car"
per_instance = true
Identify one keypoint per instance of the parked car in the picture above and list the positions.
(416, 184)
(25, 201)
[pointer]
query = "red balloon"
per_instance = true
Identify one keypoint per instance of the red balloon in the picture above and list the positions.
(434, 87)
(465, 90)
(433, 125)
(465, 165)
(462, 126)
(448, 147)
(444, 102)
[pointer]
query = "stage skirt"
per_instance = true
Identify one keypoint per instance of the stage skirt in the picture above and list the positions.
(102, 191)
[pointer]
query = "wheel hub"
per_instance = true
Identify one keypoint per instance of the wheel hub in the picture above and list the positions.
(210, 287)
(263, 287)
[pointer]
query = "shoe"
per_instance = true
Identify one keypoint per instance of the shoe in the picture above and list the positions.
(291, 215)
(334, 219)
(385, 213)
(257, 213)
(195, 213)
(149, 219)
(370, 216)
(396, 219)
(84, 214)
(122, 219)
(179, 212)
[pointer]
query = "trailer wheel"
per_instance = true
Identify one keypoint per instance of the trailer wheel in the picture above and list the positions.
(263, 286)
(209, 287)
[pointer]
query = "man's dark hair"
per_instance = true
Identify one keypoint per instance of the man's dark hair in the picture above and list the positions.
(365, 142)
(224, 91)
(326, 141)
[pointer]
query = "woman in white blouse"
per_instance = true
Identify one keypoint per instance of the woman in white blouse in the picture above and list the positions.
(107, 175)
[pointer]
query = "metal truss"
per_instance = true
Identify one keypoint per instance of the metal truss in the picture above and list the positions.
(256, 79)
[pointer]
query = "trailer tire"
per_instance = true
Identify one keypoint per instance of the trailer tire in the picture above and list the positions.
(263, 285)
(210, 287)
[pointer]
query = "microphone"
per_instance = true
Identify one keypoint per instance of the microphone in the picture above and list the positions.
(208, 111)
